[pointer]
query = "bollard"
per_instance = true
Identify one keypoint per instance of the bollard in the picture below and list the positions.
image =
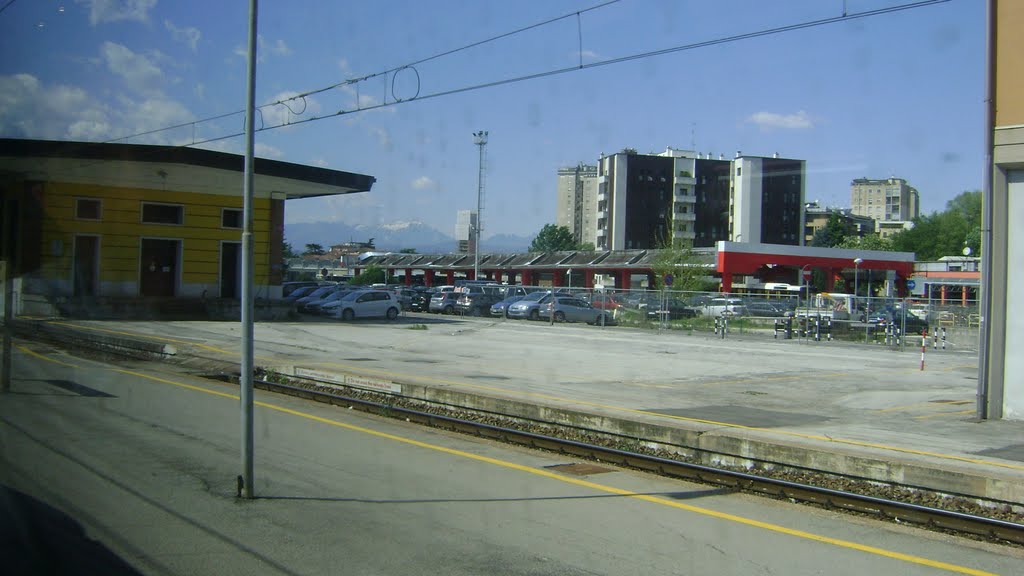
(789, 328)
(924, 345)
(817, 328)
(943, 337)
(935, 339)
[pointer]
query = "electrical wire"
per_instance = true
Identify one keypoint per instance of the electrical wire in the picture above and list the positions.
(390, 71)
(608, 62)
(6, 5)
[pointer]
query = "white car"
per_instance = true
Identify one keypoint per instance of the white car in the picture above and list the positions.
(365, 304)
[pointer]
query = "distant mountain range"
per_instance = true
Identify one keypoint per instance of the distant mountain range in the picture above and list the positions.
(393, 237)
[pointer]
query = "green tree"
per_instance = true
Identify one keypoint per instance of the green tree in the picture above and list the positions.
(314, 250)
(287, 251)
(372, 274)
(689, 271)
(831, 234)
(867, 242)
(587, 247)
(408, 251)
(553, 238)
(944, 233)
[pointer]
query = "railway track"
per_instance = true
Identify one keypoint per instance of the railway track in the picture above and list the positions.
(925, 516)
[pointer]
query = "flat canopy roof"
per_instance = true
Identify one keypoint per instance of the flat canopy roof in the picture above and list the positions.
(170, 168)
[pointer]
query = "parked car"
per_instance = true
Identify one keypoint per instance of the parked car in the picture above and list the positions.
(443, 302)
(290, 287)
(476, 304)
(368, 304)
(317, 306)
(300, 292)
(572, 309)
(501, 308)
(766, 308)
(420, 301)
(670, 309)
(725, 307)
(604, 301)
(315, 295)
(529, 306)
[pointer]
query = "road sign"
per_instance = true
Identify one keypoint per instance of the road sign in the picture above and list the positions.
(669, 279)
(807, 274)
(911, 284)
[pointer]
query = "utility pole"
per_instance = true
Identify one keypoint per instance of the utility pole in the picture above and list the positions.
(246, 488)
(480, 139)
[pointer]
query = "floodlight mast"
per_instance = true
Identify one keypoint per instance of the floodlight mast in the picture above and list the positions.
(480, 139)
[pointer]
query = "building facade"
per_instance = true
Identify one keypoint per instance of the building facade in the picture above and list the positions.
(817, 216)
(86, 221)
(1001, 384)
(649, 200)
(465, 226)
(577, 201)
(888, 200)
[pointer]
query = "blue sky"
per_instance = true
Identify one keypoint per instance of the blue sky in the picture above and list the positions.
(898, 94)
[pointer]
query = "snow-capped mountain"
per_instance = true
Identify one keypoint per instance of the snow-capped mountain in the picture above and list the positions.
(393, 236)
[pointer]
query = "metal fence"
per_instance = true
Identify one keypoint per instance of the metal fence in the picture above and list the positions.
(878, 320)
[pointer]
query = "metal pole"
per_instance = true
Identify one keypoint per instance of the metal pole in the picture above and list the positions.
(246, 484)
(480, 139)
(867, 310)
(985, 290)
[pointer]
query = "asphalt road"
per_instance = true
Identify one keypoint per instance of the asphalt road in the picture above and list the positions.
(145, 460)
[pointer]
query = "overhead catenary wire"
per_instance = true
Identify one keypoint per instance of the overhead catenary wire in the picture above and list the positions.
(390, 71)
(557, 71)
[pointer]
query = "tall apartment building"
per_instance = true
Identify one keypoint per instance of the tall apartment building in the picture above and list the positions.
(577, 201)
(647, 200)
(465, 225)
(888, 200)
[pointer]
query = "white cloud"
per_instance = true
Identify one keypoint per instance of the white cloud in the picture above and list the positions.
(344, 65)
(423, 183)
(138, 71)
(115, 10)
(267, 151)
(769, 120)
(200, 91)
(31, 109)
(188, 35)
(320, 161)
(280, 48)
(586, 54)
(382, 135)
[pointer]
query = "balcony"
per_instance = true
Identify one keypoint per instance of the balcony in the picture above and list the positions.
(602, 196)
(681, 235)
(684, 217)
(684, 180)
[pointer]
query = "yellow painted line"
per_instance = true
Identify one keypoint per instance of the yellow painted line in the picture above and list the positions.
(924, 405)
(398, 377)
(42, 357)
(941, 414)
(175, 383)
(909, 558)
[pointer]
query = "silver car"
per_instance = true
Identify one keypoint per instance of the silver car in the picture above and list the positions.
(572, 309)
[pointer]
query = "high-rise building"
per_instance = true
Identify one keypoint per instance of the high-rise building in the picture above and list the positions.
(465, 225)
(577, 201)
(888, 200)
(649, 200)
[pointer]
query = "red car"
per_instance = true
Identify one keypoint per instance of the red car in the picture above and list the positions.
(605, 302)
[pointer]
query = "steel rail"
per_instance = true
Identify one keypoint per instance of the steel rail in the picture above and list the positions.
(891, 509)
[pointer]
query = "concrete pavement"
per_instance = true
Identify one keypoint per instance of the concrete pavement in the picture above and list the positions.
(851, 408)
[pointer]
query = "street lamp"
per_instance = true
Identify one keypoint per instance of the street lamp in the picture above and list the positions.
(480, 139)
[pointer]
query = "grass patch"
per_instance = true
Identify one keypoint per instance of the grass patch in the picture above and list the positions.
(418, 327)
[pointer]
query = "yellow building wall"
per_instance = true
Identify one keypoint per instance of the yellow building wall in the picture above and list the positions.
(120, 229)
(1009, 76)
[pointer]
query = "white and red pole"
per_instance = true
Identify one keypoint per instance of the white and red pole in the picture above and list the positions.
(924, 345)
